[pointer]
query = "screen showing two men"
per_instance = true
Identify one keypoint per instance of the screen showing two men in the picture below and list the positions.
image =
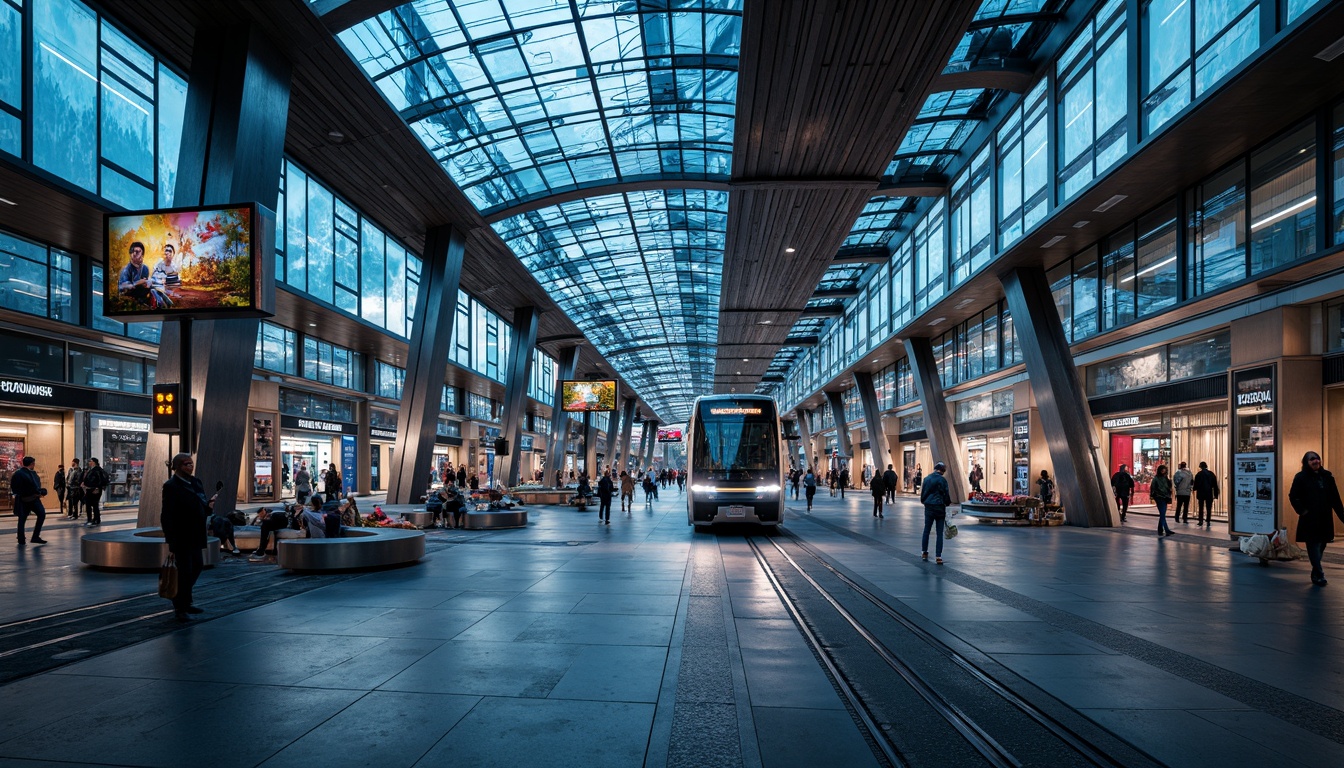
(200, 262)
(581, 396)
(669, 434)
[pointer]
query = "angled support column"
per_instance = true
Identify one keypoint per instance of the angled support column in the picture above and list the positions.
(613, 442)
(566, 366)
(1070, 433)
(627, 426)
(426, 364)
(643, 446)
(872, 420)
(590, 446)
(518, 376)
(837, 403)
(805, 432)
(937, 419)
(233, 139)
(650, 431)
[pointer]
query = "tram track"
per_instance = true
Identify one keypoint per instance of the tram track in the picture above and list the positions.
(959, 699)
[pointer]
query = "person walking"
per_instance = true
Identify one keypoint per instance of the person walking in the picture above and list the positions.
(878, 487)
(331, 482)
(74, 490)
(1314, 495)
(27, 490)
(889, 479)
(627, 492)
(95, 480)
(605, 490)
(844, 480)
(1161, 491)
(303, 484)
(1046, 485)
(919, 478)
(935, 495)
(182, 519)
(1122, 485)
(975, 477)
(1184, 481)
(1206, 490)
(795, 480)
(810, 487)
(58, 485)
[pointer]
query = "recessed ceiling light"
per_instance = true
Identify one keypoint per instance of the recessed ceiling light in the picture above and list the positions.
(7, 201)
(739, 373)
(1109, 204)
(746, 360)
(937, 320)
(1081, 224)
(336, 136)
(790, 250)
(764, 322)
(1052, 241)
(312, 325)
(965, 303)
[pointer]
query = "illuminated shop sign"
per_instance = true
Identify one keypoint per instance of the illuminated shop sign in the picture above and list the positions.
(1123, 421)
(303, 424)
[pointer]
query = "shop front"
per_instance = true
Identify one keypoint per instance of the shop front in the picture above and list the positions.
(382, 441)
(29, 432)
(119, 443)
(916, 456)
(1149, 439)
(316, 444)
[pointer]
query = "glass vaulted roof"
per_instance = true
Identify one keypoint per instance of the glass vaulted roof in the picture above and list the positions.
(640, 274)
(521, 99)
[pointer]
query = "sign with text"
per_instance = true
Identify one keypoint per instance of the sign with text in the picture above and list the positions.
(305, 424)
(1253, 501)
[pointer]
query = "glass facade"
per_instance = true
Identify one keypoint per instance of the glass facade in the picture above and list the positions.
(1190, 46)
(35, 279)
(1201, 356)
(1091, 81)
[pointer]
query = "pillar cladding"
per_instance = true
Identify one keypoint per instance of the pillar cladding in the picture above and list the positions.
(872, 420)
(651, 431)
(567, 365)
(837, 403)
(426, 364)
(233, 139)
(805, 433)
(590, 445)
(644, 437)
(937, 420)
(518, 377)
(627, 426)
(613, 442)
(1070, 433)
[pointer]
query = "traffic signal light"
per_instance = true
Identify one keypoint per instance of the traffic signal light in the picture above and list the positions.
(167, 416)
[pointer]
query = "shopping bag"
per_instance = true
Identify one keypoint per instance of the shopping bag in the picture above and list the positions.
(951, 532)
(168, 577)
(1255, 546)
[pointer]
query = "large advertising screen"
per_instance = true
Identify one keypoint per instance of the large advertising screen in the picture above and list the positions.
(581, 396)
(197, 262)
(669, 434)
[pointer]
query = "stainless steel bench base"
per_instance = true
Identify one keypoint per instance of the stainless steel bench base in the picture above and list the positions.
(141, 549)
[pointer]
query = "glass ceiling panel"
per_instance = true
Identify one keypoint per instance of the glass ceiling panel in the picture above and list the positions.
(878, 223)
(994, 9)
(639, 273)
(521, 99)
(949, 103)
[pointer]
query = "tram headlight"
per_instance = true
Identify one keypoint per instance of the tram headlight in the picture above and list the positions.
(768, 489)
(703, 488)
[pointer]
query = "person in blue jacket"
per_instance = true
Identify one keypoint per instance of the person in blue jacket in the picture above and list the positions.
(935, 495)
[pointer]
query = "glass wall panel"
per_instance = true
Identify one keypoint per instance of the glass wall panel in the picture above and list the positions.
(1024, 158)
(1337, 172)
(1295, 8)
(930, 257)
(1117, 279)
(1217, 234)
(11, 77)
(65, 90)
(106, 370)
(1283, 200)
(1093, 83)
(1061, 287)
(1220, 33)
(1085, 304)
(1157, 280)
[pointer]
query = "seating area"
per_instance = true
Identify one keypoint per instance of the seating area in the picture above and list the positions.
(135, 549)
(357, 548)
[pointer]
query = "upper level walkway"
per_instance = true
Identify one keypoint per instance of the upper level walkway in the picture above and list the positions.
(642, 643)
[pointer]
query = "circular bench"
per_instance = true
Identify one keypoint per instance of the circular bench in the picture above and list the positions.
(496, 518)
(357, 548)
(135, 549)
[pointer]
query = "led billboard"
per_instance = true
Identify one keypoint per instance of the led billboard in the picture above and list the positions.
(581, 396)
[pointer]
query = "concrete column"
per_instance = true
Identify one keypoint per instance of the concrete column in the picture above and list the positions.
(517, 378)
(567, 364)
(837, 403)
(805, 432)
(363, 479)
(651, 430)
(643, 445)
(937, 419)
(426, 364)
(627, 426)
(233, 139)
(613, 441)
(1070, 433)
(872, 421)
(589, 446)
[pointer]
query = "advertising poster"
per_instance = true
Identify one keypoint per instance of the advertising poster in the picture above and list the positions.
(1253, 504)
(1022, 454)
(669, 434)
(581, 396)
(192, 261)
(348, 446)
(263, 457)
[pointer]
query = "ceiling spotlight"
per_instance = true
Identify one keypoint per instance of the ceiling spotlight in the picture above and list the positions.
(790, 250)
(746, 360)
(937, 320)
(335, 136)
(7, 201)
(312, 325)
(764, 322)
(739, 373)
(1081, 224)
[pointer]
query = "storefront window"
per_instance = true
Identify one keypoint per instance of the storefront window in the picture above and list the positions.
(30, 358)
(448, 428)
(106, 370)
(296, 403)
(1283, 200)
(985, 406)
(1337, 172)
(120, 442)
(1334, 327)
(912, 423)
(1218, 231)
(1202, 356)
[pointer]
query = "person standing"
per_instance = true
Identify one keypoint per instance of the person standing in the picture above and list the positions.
(331, 482)
(878, 487)
(975, 477)
(95, 480)
(1184, 481)
(1161, 490)
(795, 480)
(935, 495)
(27, 489)
(605, 490)
(303, 484)
(462, 476)
(1122, 485)
(182, 519)
(74, 490)
(810, 487)
(58, 485)
(1206, 490)
(844, 480)
(1047, 488)
(1314, 495)
(627, 492)
(889, 479)
(919, 477)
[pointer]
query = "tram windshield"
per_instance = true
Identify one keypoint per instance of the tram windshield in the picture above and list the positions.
(736, 443)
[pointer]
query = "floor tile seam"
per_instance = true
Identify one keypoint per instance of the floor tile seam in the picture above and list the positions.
(746, 720)
(660, 725)
(1285, 705)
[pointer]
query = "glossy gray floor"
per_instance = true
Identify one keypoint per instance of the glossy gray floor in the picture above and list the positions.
(639, 643)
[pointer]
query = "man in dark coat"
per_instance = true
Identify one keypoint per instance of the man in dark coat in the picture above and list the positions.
(1206, 490)
(890, 479)
(95, 480)
(1314, 495)
(185, 510)
(935, 495)
(605, 490)
(27, 489)
(58, 485)
(74, 490)
(878, 487)
(1122, 484)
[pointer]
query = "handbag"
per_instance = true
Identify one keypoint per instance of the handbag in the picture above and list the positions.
(168, 577)
(951, 531)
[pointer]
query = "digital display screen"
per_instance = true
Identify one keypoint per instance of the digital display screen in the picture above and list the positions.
(587, 396)
(199, 262)
(669, 434)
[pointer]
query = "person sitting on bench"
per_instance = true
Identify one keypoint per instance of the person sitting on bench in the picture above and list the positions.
(271, 521)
